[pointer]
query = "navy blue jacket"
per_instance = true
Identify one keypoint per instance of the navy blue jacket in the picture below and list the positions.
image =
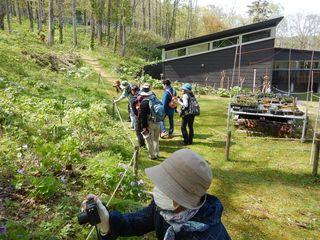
(149, 219)
(166, 98)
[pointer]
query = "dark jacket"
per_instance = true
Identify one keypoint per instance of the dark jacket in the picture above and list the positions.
(166, 98)
(144, 113)
(149, 219)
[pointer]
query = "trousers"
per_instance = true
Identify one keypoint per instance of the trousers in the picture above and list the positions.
(187, 120)
(152, 139)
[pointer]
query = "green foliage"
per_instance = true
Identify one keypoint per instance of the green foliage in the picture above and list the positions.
(53, 124)
(144, 44)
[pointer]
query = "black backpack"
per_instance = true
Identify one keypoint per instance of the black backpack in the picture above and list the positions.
(194, 107)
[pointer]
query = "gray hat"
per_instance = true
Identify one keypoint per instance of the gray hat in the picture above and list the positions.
(124, 84)
(184, 177)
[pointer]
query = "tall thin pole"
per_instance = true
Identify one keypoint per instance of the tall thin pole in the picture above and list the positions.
(289, 73)
(309, 79)
(234, 63)
(254, 80)
(239, 67)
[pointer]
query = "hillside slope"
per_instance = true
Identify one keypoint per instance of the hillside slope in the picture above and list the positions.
(58, 140)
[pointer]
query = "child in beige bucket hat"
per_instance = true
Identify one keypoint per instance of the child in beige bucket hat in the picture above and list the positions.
(181, 209)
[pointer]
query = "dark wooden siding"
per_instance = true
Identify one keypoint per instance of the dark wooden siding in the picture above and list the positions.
(299, 78)
(206, 68)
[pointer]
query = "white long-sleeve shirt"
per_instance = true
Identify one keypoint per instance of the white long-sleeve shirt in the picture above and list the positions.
(185, 101)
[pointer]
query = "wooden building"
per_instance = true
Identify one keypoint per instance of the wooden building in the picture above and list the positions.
(238, 57)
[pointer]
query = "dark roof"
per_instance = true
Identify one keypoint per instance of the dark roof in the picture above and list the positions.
(226, 33)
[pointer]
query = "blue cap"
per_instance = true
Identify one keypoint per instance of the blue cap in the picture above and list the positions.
(187, 87)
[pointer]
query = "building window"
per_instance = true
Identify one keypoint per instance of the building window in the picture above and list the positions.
(176, 53)
(280, 64)
(256, 36)
(225, 43)
(296, 65)
(199, 48)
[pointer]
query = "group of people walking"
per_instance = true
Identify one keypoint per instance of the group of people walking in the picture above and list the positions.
(181, 208)
(147, 114)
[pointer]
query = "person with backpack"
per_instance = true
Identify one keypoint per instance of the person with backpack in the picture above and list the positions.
(126, 93)
(170, 103)
(134, 107)
(189, 109)
(151, 114)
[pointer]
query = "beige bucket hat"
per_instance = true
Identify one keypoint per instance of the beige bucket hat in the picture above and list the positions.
(184, 177)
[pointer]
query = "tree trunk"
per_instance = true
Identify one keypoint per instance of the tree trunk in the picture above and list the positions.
(74, 22)
(124, 40)
(99, 21)
(108, 22)
(39, 16)
(12, 8)
(115, 40)
(8, 15)
(173, 20)
(60, 20)
(2, 14)
(51, 24)
(144, 15)
(30, 15)
(18, 11)
(188, 29)
(149, 15)
(133, 8)
(85, 18)
(156, 16)
(93, 30)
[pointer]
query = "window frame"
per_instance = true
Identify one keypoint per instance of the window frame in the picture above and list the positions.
(239, 36)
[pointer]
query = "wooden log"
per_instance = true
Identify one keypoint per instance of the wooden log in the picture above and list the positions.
(316, 155)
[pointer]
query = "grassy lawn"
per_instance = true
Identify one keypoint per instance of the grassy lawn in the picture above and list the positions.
(266, 188)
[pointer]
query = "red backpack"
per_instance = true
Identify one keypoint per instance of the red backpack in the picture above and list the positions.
(174, 100)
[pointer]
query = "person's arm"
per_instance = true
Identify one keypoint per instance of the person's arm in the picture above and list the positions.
(165, 98)
(122, 96)
(132, 224)
(184, 101)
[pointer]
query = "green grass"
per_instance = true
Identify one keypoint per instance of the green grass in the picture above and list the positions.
(266, 187)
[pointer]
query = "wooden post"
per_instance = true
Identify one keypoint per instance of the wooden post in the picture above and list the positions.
(135, 162)
(113, 107)
(228, 133)
(99, 80)
(304, 128)
(228, 144)
(316, 155)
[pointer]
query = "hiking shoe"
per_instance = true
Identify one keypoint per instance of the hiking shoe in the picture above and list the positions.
(170, 136)
(163, 134)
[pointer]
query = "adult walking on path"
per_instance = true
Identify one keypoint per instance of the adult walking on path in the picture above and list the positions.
(134, 114)
(126, 93)
(150, 126)
(189, 109)
(181, 209)
(169, 104)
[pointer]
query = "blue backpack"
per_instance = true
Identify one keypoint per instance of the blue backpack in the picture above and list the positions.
(156, 109)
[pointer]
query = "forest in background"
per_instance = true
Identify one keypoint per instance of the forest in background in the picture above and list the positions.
(127, 25)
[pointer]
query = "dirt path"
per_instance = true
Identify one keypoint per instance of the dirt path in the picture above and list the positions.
(94, 63)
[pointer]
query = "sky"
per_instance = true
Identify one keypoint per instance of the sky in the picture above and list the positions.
(290, 6)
